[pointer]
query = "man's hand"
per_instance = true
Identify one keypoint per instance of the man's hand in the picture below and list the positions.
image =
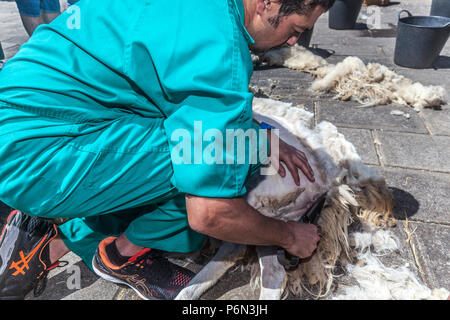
(304, 240)
(294, 159)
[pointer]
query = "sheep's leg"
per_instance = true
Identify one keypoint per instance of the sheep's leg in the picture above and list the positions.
(273, 275)
(226, 257)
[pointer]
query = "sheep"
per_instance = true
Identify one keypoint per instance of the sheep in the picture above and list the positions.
(354, 192)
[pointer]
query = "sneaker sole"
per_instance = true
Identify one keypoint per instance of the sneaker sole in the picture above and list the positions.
(7, 251)
(8, 219)
(115, 280)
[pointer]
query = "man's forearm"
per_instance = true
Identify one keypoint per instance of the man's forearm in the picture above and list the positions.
(234, 220)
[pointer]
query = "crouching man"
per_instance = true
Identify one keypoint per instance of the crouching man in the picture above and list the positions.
(89, 120)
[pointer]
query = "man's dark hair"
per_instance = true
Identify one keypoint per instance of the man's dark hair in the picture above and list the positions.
(302, 7)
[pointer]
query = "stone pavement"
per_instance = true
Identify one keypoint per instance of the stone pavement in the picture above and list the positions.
(411, 153)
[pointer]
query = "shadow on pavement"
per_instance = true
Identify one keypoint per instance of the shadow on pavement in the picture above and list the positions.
(324, 53)
(442, 62)
(405, 205)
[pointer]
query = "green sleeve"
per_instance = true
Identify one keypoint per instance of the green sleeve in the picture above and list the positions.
(197, 73)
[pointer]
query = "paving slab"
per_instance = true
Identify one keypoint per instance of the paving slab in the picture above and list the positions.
(404, 255)
(15, 39)
(233, 286)
(419, 195)
(99, 290)
(301, 100)
(432, 243)
(437, 120)
(417, 151)
(363, 142)
(72, 280)
(345, 43)
(284, 85)
(282, 79)
(12, 32)
(349, 114)
(11, 51)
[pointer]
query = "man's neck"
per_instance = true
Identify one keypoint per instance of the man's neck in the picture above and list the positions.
(250, 9)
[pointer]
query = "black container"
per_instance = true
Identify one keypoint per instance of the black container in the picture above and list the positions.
(420, 40)
(344, 13)
(440, 8)
(305, 38)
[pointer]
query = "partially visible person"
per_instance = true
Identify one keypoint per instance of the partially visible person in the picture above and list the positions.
(36, 12)
(88, 125)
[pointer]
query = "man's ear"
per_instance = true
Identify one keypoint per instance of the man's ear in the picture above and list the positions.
(262, 5)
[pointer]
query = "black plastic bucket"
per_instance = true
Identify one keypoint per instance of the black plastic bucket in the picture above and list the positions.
(305, 38)
(440, 8)
(420, 40)
(343, 14)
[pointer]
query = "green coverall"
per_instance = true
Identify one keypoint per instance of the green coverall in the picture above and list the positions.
(88, 107)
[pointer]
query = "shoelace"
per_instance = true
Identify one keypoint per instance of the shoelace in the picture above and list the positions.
(41, 282)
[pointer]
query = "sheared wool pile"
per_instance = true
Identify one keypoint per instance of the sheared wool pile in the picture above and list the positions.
(371, 84)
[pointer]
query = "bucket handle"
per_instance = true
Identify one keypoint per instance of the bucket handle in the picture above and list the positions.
(399, 14)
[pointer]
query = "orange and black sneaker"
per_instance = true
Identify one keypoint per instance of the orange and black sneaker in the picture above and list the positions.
(148, 272)
(24, 255)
